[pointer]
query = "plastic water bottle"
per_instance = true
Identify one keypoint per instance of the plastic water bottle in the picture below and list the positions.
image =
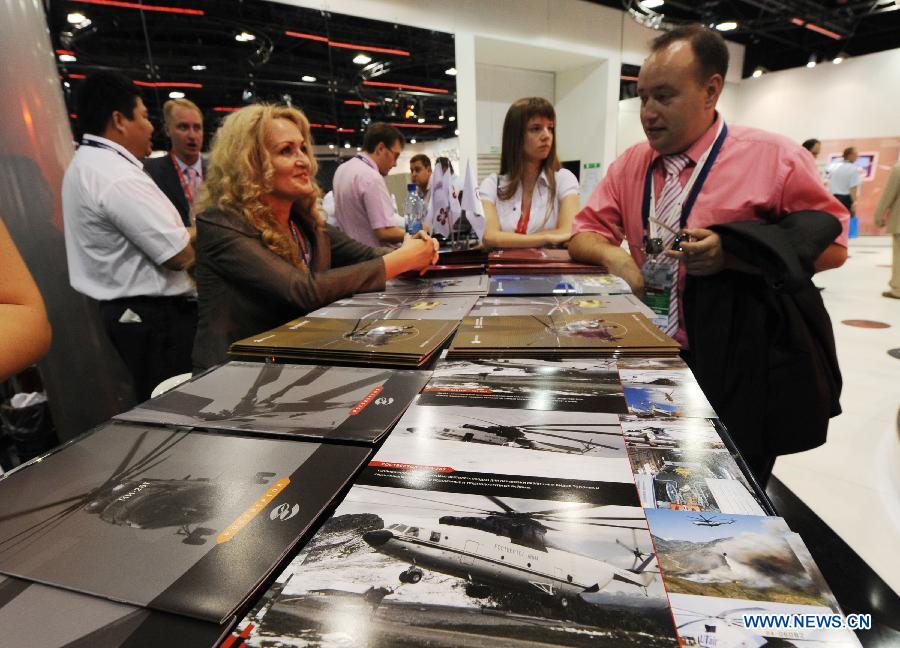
(413, 210)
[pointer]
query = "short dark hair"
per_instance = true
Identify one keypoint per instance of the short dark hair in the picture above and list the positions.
(102, 94)
(420, 157)
(381, 133)
(810, 143)
(849, 151)
(708, 46)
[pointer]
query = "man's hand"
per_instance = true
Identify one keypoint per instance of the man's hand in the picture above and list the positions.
(703, 255)
(421, 234)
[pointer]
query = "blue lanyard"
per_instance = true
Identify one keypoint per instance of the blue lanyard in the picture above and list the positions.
(101, 145)
(368, 162)
(695, 190)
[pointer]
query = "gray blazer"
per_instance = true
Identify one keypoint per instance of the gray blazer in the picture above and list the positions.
(244, 288)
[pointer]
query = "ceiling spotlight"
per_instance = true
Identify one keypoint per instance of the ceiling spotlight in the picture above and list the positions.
(451, 71)
(67, 58)
(412, 141)
(362, 59)
(67, 84)
(331, 146)
(176, 94)
(839, 58)
(245, 37)
(727, 26)
(441, 116)
(652, 4)
(387, 100)
(456, 132)
(346, 144)
(758, 72)
(308, 78)
(421, 120)
(76, 18)
(451, 118)
(358, 149)
(247, 95)
(812, 61)
(198, 68)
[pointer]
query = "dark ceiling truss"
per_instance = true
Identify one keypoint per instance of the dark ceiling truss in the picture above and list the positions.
(161, 48)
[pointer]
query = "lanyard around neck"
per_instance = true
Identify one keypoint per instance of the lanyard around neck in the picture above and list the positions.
(185, 185)
(691, 189)
(102, 145)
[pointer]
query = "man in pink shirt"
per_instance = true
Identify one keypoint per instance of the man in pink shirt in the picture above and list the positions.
(755, 175)
(363, 207)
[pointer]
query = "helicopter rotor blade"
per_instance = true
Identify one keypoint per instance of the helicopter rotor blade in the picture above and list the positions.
(506, 507)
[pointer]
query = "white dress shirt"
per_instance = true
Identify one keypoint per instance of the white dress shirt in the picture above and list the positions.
(120, 227)
(844, 178)
(543, 217)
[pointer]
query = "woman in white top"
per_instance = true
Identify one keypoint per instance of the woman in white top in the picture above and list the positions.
(533, 202)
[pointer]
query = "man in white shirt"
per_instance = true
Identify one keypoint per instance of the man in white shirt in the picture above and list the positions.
(126, 245)
(180, 173)
(364, 208)
(844, 182)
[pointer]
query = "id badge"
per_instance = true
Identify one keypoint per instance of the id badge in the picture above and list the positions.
(658, 278)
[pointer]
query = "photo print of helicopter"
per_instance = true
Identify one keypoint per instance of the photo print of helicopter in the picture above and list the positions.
(544, 305)
(78, 518)
(284, 399)
(426, 287)
(395, 566)
(386, 306)
(670, 432)
(669, 393)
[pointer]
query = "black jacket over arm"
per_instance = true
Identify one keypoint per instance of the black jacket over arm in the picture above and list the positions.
(163, 172)
(244, 288)
(762, 345)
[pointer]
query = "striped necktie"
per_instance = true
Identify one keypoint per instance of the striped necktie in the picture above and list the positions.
(668, 212)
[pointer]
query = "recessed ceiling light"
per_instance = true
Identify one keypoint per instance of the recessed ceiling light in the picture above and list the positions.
(456, 132)
(176, 94)
(308, 78)
(450, 71)
(728, 25)
(812, 61)
(362, 59)
(839, 58)
(358, 149)
(346, 144)
(198, 68)
(758, 72)
(76, 18)
(67, 58)
(421, 120)
(451, 118)
(652, 4)
(245, 37)
(67, 84)
(412, 141)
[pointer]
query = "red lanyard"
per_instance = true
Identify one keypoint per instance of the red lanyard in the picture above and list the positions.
(189, 194)
(522, 226)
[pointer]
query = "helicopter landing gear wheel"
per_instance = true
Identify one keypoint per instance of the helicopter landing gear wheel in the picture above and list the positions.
(412, 575)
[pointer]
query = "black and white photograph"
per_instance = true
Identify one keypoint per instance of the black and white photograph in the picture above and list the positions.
(315, 402)
(670, 432)
(433, 286)
(178, 521)
(395, 306)
(664, 393)
(567, 385)
(477, 439)
(403, 567)
(596, 284)
(692, 480)
(560, 305)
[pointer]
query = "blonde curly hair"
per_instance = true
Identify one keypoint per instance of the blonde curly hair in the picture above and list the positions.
(240, 173)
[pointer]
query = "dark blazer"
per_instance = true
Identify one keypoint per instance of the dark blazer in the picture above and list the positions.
(166, 178)
(762, 345)
(244, 288)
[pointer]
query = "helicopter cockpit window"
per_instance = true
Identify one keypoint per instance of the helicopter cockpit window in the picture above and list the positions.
(401, 527)
(435, 536)
(413, 531)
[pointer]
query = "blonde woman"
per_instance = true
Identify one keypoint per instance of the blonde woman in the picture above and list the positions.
(264, 254)
(532, 203)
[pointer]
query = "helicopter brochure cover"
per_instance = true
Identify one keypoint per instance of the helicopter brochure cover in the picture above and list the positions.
(692, 479)
(355, 404)
(578, 445)
(51, 617)
(389, 306)
(559, 284)
(389, 342)
(718, 568)
(433, 286)
(559, 336)
(177, 521)
(664, 393)
(413, 557)
(669, 432)
(569, 385)
(560, 305)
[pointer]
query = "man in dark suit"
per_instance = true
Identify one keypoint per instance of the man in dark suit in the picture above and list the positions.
(180, 173)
